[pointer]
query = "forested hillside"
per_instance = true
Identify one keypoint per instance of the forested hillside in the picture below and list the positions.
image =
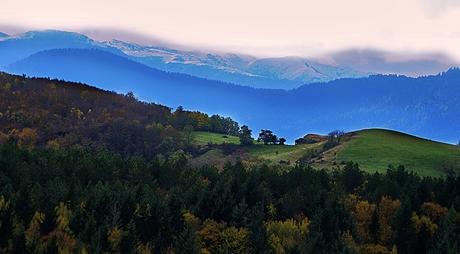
(58, 114)
(89, 171)
(57, 200)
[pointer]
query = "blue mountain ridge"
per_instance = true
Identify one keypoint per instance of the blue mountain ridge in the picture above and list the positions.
(285, 72)
(426, 106)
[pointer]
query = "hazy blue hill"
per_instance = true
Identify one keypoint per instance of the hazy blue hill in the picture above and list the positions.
(112, 72)
(3, 35)
(427, 106)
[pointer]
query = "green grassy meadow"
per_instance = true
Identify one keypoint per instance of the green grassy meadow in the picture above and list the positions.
(204, 138)
(375, 149)
(276, 153)
(266, 152)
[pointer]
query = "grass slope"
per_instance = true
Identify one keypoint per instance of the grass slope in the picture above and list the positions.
(375, 149)
(277, 153)
(204, 138)
(269, 153)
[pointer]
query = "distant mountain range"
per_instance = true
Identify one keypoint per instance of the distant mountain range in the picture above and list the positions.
(277, 73)
(426, 106)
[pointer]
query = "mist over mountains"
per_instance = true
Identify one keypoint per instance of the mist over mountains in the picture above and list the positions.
(426, 106)
(283, 73)
(278, 73)
(376, 61)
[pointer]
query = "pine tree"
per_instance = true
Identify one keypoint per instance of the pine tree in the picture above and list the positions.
(374, 226)
(187, 242)
(326, 226)
(423, 240)
(403, 230)
(446, 240)
(351, 176)
(258, 234)
(130, 239)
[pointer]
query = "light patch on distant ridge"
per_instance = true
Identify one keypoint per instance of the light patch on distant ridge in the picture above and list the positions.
(406, 63)
(435, 8)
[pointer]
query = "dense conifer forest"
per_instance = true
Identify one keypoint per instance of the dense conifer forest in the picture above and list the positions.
(90, 171)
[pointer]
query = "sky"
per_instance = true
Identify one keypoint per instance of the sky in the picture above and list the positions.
(409, 29)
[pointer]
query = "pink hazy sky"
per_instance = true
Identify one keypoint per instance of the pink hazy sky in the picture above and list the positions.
(263, 28)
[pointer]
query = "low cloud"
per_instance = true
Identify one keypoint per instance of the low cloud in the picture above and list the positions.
(435, 8)
(12, 30)
(405, 63)
(108, 34)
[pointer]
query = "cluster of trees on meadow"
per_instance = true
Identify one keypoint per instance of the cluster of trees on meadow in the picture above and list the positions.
(268, 137)
(333, 138)
(83, 170)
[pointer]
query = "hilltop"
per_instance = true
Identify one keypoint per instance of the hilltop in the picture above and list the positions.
(375, 149)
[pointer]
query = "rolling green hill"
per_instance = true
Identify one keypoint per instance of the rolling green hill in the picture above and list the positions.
(375, 149)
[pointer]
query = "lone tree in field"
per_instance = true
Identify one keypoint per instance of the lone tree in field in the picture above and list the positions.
(282, 141)
(336, 136)
(334, 139)
(245, 136)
